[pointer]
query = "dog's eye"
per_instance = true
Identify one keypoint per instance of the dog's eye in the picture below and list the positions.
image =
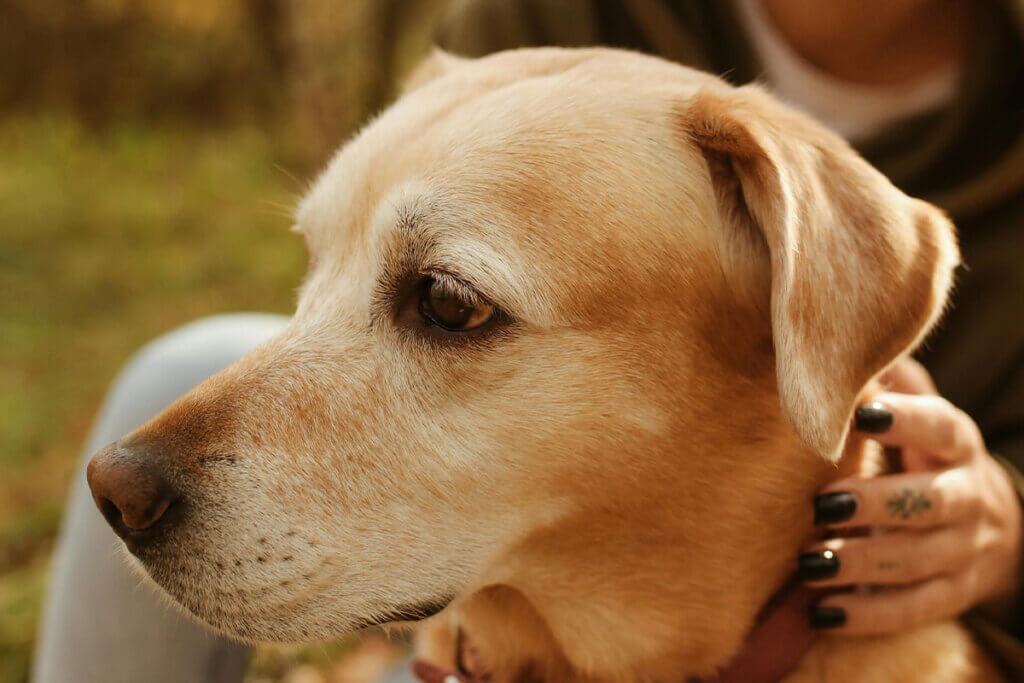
(452, 306)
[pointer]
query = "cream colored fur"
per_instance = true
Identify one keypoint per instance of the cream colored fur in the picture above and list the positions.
(609, 484)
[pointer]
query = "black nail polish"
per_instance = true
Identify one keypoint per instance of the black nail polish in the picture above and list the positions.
(827, 617)
(818, 566)
(832, 508)
(873, 418)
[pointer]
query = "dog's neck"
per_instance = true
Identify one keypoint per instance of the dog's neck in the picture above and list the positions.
(584, 626)
(774, 647)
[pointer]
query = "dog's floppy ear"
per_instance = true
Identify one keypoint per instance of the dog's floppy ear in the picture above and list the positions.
(859, 271)
(434, 65)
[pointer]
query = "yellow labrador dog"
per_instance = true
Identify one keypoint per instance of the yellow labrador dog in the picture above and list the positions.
(580, 340)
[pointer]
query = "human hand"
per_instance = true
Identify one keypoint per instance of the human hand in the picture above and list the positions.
(951, 522)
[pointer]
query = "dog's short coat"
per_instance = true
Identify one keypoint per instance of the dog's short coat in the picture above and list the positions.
(692, 286)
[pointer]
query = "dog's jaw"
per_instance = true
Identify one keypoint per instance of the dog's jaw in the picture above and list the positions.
(556, 630)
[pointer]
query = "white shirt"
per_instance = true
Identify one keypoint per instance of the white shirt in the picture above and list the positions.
(853, 110)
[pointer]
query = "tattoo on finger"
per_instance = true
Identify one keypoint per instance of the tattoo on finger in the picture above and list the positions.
(888, 565)
(908, 503)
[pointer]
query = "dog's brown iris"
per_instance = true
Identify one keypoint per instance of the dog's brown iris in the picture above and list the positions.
(451, 306)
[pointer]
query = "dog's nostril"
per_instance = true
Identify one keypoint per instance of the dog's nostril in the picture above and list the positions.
(109, 511)
(129, 489)
(131, 517)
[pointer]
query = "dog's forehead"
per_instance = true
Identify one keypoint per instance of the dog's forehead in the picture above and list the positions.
(544, 169)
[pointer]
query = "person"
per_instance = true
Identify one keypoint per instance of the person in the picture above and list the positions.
(930, 92)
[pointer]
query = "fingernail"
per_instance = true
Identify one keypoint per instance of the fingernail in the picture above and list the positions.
(873, 418)
(818, 566)
(832, 508)
(827, 617)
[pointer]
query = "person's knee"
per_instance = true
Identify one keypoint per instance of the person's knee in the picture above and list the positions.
(173, 363)
(206, 345)
(89, 575)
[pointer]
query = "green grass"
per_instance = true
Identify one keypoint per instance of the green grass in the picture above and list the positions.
(107, 240)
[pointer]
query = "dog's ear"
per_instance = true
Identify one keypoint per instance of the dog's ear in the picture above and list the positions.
(859, 271)
(436, 64)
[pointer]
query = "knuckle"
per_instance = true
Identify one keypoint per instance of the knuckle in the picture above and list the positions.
(952, 500)
(964, 438)
(947, 434)
(973, 440)
(955, 431)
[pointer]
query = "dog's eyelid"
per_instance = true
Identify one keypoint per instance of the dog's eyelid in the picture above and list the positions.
(423, 247)
(457, 284)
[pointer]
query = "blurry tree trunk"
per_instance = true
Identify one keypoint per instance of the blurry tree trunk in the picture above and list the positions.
(270, 22)
(344, 60)
(319, 67)
(387, 18)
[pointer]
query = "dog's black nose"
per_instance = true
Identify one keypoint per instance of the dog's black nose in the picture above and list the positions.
(130, 490)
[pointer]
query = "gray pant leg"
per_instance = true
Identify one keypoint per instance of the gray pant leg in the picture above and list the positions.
(100, 623)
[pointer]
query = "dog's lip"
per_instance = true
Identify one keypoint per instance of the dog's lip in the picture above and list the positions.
(409, 613)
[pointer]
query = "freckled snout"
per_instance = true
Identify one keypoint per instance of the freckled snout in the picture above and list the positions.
(130, 490)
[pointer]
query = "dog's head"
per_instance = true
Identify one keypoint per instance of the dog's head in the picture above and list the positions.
(569, 316)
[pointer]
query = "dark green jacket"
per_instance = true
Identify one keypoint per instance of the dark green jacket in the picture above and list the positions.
(967, 158)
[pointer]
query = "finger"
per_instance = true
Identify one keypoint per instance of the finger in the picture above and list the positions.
(917, 499)
(907, 376)
(888, 559)
(926, 423)
(894, 609)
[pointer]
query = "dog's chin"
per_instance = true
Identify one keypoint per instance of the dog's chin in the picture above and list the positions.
(407, 614)
(260, 626)
(275, 618)
(306, 626)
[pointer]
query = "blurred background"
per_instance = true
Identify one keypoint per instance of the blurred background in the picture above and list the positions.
(150, 155)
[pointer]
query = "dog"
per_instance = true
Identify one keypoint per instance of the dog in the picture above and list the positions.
(580, 339)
